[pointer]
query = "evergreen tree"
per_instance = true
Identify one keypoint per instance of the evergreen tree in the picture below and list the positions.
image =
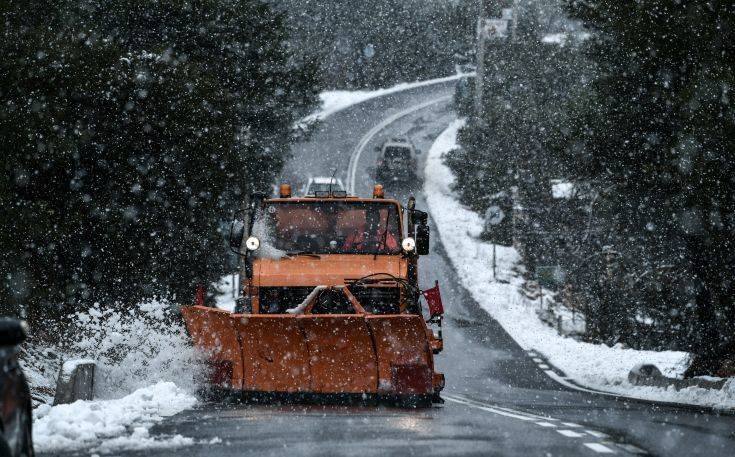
(661, 130)
(527, 82)
(130, 132)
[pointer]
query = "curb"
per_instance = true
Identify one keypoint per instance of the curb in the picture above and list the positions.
(560, 377)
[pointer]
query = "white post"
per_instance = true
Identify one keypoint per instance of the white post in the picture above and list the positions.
(494, 254)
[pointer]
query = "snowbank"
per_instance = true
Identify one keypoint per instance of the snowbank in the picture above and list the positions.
(337, 100)
(135, 348)
(111, 425)
(593, 365)
(146, 370)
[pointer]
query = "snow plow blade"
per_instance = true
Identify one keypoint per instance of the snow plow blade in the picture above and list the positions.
(317, 354)
(275, 354)
(213, 332)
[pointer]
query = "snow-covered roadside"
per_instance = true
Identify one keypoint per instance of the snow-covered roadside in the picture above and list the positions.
(106, 426)
(592, 365)
(145, 370)
(336, 100)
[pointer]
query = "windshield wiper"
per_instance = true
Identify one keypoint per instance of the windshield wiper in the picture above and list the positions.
(307, 254)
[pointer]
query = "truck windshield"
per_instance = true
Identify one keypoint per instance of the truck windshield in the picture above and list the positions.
(329, 227)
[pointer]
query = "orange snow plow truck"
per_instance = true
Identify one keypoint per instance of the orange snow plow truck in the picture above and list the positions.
(330, 305)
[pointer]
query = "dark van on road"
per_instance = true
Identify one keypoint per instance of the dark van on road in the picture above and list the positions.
(396, 161)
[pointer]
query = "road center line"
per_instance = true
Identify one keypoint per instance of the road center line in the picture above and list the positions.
(355, 157)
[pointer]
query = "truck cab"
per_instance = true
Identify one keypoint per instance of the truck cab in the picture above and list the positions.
(295, 244)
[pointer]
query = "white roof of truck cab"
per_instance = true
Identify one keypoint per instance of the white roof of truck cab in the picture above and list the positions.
(321, 182)
(325, 180)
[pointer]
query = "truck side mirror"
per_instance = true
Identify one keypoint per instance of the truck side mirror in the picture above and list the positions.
(422, 239)
(12, 332)
(237, 233)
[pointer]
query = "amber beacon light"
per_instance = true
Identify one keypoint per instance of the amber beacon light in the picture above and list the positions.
(285, 191)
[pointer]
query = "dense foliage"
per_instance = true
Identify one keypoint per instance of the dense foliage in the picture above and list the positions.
(662, 132)
(130, 131)
(635, 112)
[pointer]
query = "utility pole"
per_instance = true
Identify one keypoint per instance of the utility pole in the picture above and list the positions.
(487, 29)
(480, 55)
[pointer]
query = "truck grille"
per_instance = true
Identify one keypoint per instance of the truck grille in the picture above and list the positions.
(375, 300)
(378, 300)
(276, 300)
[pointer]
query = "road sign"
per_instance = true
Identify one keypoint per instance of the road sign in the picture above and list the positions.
(493, 28)
(494, 215)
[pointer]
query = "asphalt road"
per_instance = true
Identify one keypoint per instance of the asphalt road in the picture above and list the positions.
(498, 401)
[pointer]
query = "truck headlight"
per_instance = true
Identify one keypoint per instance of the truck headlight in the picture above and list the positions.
(252, 243)
(408, 244)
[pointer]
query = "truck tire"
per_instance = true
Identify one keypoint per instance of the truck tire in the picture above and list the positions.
(26, 449)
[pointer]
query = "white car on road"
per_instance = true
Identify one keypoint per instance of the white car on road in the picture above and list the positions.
(323, 185)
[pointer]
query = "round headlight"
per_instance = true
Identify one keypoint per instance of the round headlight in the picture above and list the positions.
(252, 243)
(408, 244)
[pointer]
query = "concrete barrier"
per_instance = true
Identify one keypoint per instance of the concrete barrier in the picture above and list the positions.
(650, 375)
(75, 381)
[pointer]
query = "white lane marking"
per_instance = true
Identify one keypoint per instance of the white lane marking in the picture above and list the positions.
(600, 448)
(632, 449)
(507, 412)
(488, 408)
(543, 366)
(532, 354)
(355, 157)
(570, 433)
(537, 360)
